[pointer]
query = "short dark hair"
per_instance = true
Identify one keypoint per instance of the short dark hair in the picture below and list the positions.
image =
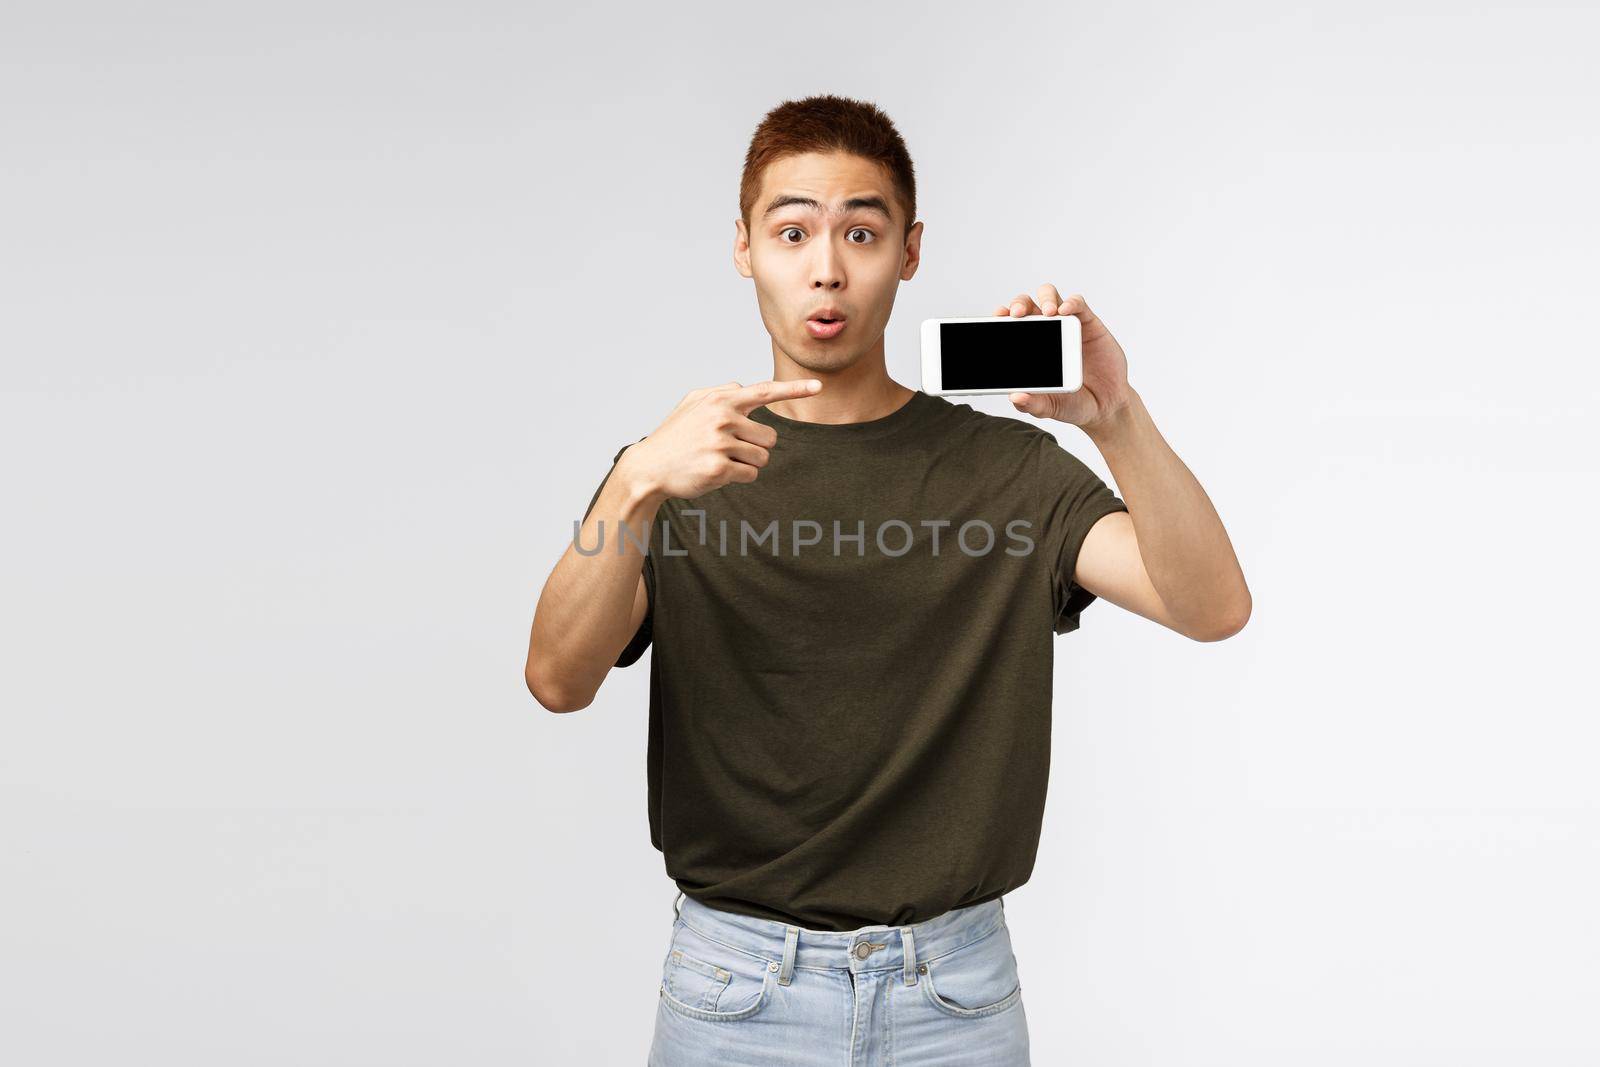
(828, 123)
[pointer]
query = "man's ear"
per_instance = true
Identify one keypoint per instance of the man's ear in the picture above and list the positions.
(741, 248)
(913, 254)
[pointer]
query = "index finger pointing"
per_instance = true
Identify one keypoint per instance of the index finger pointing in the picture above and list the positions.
(754, 396)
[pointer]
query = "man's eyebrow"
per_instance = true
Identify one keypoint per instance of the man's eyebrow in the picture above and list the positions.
(861, 203)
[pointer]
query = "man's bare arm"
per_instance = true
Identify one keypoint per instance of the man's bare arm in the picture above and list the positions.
(592, 605)
(1169, 558)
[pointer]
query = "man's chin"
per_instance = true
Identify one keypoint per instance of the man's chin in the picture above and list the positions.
(833, 359)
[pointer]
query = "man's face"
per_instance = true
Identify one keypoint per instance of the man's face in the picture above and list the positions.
(845, 254)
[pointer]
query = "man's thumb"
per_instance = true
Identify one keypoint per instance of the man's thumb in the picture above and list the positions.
(1033, 404)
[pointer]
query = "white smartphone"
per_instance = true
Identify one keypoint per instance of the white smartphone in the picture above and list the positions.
(1003, 354)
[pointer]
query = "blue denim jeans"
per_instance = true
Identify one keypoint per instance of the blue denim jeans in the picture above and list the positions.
(738, 991)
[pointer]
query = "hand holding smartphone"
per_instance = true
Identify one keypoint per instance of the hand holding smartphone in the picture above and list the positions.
(1011, 354)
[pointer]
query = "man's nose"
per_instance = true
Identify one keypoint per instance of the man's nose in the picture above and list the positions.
(826, 273)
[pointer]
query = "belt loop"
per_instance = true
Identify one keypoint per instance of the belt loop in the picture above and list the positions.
(791, 935)
(677, 909)
(908, 945)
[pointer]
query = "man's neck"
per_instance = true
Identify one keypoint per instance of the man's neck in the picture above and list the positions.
(837, 404)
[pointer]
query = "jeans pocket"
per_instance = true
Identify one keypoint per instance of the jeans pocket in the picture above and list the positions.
(705, 979)
(977, 979)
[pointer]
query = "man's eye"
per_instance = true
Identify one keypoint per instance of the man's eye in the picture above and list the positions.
(860, 230)
(788, 229)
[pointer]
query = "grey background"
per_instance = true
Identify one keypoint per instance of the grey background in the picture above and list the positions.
(322, 321)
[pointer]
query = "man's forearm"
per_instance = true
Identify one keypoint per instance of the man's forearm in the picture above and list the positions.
(1186, 550)
(584, 616)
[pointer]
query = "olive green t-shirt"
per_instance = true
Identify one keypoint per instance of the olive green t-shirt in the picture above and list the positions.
(850, 685)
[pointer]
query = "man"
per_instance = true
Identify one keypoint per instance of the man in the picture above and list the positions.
(850, 688)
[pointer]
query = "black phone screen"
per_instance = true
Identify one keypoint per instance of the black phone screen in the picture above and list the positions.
(1000, 355)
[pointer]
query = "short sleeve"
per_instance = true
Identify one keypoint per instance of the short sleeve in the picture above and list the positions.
(1072, 499)
(641, 638)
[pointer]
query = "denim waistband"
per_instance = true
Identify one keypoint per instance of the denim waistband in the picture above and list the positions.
(868, 948)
